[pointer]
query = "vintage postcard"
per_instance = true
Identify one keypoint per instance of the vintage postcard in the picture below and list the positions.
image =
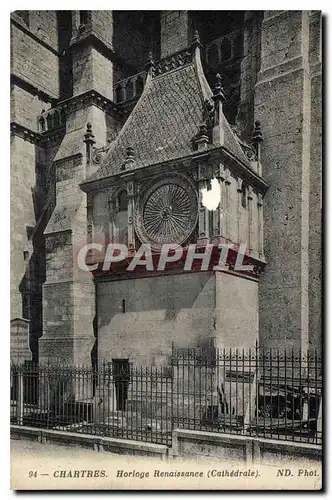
(166, 236)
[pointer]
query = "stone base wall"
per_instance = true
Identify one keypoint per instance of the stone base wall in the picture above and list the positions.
(239, 449)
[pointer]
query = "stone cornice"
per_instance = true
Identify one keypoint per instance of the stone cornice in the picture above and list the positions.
(90, 97)
(35, 137)
(25, 133)
(217, 154)
(238, 167)
(118, 271)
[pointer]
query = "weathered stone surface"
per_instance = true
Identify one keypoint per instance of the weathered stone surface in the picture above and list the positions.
(279, 83)
(22, 181)
(282, 103)
(34, 63)
(174, 31)
(26, 107)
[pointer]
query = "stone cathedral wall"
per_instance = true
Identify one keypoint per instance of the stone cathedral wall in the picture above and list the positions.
(140, 318)
(278, 81)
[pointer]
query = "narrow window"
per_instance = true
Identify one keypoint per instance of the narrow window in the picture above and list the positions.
(121, 217)
(121, 377)
(41, 124)
(244, 195)
(49, 120)
(56, 119)
(139, 85)
(122, 201)
(129, 90)
(119, 93)
(62, 116)
(123, 305)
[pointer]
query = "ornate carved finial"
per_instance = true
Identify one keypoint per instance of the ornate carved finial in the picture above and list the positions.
(89, 140)
(257, 135)
(195, 42)
(257, 139)
(218, 98)
(130, 157)
(202, 138)
(218, 92)
(89, 137)
(150, 65)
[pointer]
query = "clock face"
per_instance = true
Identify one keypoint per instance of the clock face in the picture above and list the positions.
(167, 211)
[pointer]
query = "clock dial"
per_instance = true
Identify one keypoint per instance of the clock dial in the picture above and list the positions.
(167, 211)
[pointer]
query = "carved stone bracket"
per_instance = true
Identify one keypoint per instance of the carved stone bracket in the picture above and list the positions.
(98, 154)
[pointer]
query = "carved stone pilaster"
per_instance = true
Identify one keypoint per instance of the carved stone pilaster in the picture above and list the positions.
(131, 211)
(238, 207)
(218, 98)
(217, 215)
(203, 216)
(89, 209)
(89, 140)
(221, 173)
(250, 197)
(110, 203)
(260, 227)
(226, 206)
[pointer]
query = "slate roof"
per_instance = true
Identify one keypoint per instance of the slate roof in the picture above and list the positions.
(164, 123)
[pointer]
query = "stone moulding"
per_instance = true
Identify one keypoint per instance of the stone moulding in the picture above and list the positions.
(24, 133)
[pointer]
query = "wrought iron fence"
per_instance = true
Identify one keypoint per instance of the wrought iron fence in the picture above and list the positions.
(270, 394)
(267, 393)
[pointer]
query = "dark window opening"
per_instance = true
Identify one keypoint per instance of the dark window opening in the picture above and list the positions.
(62, 116)
(41, 125)
(121, 377)
(139, 85)
(129, 90)
(119, 93)
(123, 305)
(49, 120)
(56, 119)
(211, 228)
(244, 196)
(122, 201)
(121, 217)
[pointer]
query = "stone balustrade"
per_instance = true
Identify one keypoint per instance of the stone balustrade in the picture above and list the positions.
(51, 120)
(225, 48)
(130, 88)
